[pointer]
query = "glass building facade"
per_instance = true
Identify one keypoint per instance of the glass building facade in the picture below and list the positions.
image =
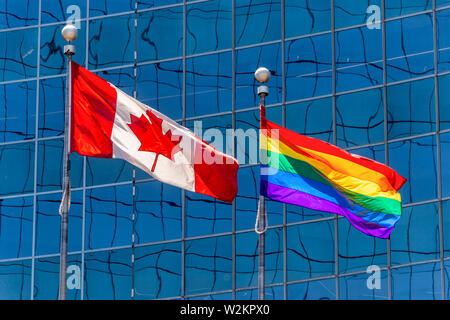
(372, 77)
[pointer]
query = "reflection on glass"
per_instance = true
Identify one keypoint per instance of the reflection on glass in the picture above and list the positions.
(357, 250)
(17, 111)
(18, 13)
(416, 235)
(208, 84)
(443, 40)
(360, 287)
(359, 58)
(16, 168)
(310, 250)
(309, 67)
(48, 221)
(107, 51)
(416, 161)
(16, 228)
(360, 118)
(208, 265)
(108, 217)
(160, 86)
(107, 275)
(52, 97)
(158, 271)
(208, 26)
(53, 60)
(411, 108)
(354, 12)
(400, 7)
(15, 277)
(156, 45)
(102, 7)
(58, 10)
(158, 212)
(50, 166)
(18, 50)
(247, 61)
(307, 16)
(419, 282)
(409, 47)
(257, 21)
(313, 290)
(46, 278)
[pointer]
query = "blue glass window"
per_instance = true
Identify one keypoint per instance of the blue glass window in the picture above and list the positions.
(444, 102)
(309, 67)
(411, 108)
(52, 95)
(445, 165)
(18, 13)
(16, 228)
(144, 4)
(16, 168)
(18, 111)
(257, 21)
(400, 7)
(416, 161)
(158, 271)
(58, 10)
(247, 61)
(208, 26)
(357, 250)
(160, 86)
(107, 51)
(441, 3)
(15, 278)
(307, 16)
(409, 47)
(46, 278)
(446, 226)
(443, 40)
(208, 265)
(48, 221)
(18, 50)
(206, 215)
(121, 78)
(247, 197)
(313, 290)
(310, 250)
(355, 287)
(274, 256)
(103, 171)
(108, 217)
(360, 118)
(274, 293)
(152, 44)
(359, 58)
(107, 275)
(247, 259)
(50, 166)
(53, 61)
(158, 212)
(416, 235)
(419, 282)
(208, 84)
(102, 7)
(353, 12)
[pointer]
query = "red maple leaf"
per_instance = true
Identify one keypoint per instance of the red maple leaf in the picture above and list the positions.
(152, 138)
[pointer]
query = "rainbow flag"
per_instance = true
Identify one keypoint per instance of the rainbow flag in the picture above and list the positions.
(314, 174)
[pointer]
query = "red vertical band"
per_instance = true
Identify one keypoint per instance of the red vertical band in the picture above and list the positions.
(93, 110)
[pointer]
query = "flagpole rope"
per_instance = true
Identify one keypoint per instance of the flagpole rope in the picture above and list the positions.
(258, 217)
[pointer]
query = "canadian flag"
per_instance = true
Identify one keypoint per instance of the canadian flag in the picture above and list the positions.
(107, 123)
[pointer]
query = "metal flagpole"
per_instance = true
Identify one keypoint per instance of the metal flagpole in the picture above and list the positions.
(262, 75)
(69, 33)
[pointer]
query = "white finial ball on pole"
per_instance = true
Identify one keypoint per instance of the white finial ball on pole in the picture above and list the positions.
(262, 75)
(69, 33)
